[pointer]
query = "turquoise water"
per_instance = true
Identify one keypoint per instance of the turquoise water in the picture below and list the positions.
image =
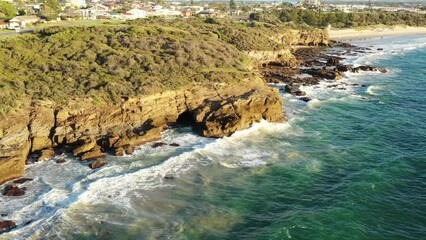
(351, 164)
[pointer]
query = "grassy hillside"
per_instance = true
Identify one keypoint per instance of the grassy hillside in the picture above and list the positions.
(105, 62)
(142, 57)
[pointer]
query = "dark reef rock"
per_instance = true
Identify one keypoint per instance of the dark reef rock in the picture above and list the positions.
(158, 144)
(13, 190)
(333, 61)
(344, 68)
(305, 99)
(22, 180)
(6, 226)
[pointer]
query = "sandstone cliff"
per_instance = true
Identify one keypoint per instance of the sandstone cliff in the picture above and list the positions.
(289, 40)
(89, 130)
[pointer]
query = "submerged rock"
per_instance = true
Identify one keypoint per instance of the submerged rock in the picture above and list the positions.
(6, 226)
(169, 177)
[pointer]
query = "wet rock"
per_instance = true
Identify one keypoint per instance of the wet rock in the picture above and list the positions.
(97, 164)
(292, 88)
(363, 85)
(379, 49)
(61, 160)
(174, 145)
(344, 45)
(333, 61)
(6, 226)
(129, 150)
(22, 180)
(13, 190)
(300, 93)
(325, 73)
(344, 68)
(158, 144)
(86, 147)
(368, 68)
(305, 99)
(94, 154)
(46, 154)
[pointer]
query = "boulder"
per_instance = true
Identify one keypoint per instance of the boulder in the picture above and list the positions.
(97, 164)
(174, 145)
(46, 154)
(300, 93)
(292, 88)
(94, 154)
(85, 147)
(129, 150)
(6, 226)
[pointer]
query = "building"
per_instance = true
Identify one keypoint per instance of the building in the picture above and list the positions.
(95, 11)
(309, 2)
(136, 13)
(3, 25)
(22, 21)
(76, 3)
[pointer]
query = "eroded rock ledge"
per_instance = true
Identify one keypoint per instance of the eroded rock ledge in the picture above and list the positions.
(89, 131)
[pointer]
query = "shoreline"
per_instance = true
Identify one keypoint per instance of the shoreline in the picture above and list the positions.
(352, 34)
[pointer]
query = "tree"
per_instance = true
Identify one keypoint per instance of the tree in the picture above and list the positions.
(7, 10)
(192, 2)
(50, 9)
(232, 5)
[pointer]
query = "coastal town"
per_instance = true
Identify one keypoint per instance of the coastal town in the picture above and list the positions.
(18, 14)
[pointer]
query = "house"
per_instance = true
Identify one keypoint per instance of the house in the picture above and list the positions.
(166, 12)
(95, 11)
(310, 2)
(22, 21)
(76, 3)
(3, 25)
(137, 13)
(186, 13)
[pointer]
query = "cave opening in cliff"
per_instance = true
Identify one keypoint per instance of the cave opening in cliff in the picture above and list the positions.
(185, 119)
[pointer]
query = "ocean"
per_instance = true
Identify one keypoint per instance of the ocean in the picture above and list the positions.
(350, 164)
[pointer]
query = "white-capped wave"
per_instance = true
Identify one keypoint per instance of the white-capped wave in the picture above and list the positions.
(374, 90)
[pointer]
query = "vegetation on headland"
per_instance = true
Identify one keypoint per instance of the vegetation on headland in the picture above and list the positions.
(106, 62)
(339, 19)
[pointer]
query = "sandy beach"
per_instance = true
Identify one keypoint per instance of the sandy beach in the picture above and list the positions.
(346, 34)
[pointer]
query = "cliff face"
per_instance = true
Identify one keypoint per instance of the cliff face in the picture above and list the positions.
(289, 40)
(89, 131)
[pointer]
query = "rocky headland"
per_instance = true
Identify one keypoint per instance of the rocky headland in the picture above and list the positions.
(131, 83)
